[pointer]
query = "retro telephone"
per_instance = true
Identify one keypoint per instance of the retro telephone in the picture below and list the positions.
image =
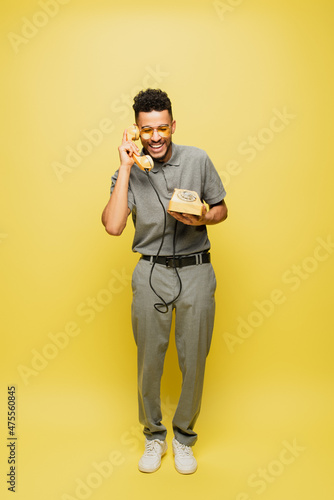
(186, 202)
(145, 163)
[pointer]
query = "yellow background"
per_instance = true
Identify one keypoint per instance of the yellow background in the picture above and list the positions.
(228, 70)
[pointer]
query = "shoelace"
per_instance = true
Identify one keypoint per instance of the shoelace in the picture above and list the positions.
(150, 448)
(183, 450)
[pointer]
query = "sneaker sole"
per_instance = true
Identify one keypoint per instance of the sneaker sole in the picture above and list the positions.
(180, 471)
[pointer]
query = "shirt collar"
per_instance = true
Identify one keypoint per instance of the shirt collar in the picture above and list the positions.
(174, 160)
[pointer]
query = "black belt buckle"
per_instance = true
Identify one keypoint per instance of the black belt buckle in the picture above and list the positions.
(172, 262)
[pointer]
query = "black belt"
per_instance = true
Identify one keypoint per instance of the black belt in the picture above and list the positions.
(180, 260)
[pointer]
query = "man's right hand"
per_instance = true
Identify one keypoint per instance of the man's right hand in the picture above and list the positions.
(126, 151)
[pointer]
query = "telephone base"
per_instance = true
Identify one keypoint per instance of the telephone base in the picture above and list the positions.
(186, 202)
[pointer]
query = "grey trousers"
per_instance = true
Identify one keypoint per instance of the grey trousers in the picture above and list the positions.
(194, 319)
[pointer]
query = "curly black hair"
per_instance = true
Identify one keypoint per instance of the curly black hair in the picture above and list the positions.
(152, 100)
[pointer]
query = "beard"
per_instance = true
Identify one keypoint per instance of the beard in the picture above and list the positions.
(161, 158)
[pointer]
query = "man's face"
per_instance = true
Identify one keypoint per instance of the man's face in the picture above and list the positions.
(159, 148)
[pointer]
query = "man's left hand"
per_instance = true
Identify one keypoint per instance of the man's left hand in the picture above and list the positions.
(189, 219)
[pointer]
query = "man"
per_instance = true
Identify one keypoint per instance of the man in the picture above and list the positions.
(174, 266)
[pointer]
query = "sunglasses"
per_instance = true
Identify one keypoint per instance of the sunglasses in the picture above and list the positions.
(163, 131)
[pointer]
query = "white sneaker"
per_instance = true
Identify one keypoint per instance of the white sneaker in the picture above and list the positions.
(185, 462)
(151, 459)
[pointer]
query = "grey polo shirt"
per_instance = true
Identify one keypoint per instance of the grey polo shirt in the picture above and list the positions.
(188, 168)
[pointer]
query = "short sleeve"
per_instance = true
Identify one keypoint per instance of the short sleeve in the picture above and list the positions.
(213, 189)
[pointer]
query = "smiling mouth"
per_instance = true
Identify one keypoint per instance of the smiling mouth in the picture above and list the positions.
(156, 146)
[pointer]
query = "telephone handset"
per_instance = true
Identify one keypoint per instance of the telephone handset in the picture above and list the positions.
(143, 162)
